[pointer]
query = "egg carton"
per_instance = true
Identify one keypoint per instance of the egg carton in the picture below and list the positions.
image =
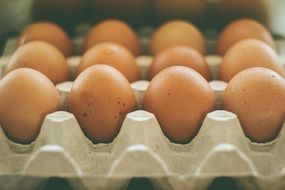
(141, 150)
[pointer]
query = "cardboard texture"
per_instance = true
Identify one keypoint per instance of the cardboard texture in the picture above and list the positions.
(220, 149)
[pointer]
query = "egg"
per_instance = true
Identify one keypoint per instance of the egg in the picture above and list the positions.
(48, 32)
(177, 32)
(257, 96)
(180, 98)
(43, 57)
(113, 31)
(249, 53)
(179, 55)
(243, 29)
(26, 97)
(114, 55)
(100, 98)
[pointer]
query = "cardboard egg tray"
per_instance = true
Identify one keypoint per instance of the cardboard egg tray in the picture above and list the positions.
(141, 150)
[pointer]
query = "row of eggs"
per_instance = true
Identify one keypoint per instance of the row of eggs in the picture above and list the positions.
(179, 96)
(114, 43)
(175, 32)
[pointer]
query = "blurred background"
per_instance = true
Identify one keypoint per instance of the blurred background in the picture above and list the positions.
(15, 14)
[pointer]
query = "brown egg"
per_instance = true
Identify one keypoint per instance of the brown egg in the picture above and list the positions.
(180, 98)
(42, 57)
(100, 99)
(249, 53)
(179, 55)
(48, 32)
(257, 96)
(177, 32)
(113, 31)
(243, 29)
(114, 55)
(26, 97)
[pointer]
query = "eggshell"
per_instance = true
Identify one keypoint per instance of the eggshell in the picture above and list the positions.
(179, 55)
(113, 31)
(177, 32)
(43, 57)
(243, 29)
(249, 53)
(100, 98)
(180, 98)
(257, 96)
(26, 97)
(114, 55)
(48, 32)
